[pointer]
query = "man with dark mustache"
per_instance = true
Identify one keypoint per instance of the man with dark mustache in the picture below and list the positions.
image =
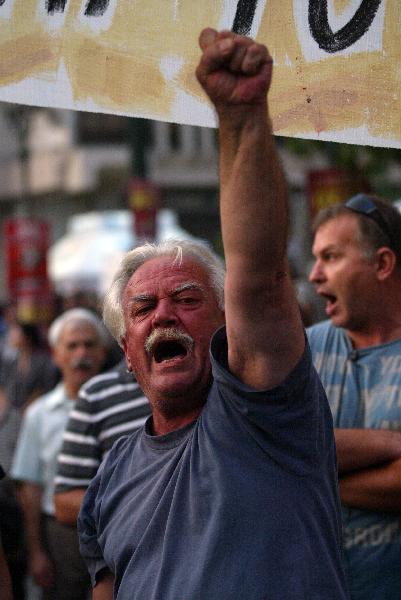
(229, 490)
(78, 342)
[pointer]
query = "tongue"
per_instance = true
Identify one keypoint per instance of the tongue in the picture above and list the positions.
(330, 304)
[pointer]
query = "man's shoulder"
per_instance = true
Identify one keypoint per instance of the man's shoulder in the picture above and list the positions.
(319, 327)
(43, 403)
(323, 333)
(115, 381)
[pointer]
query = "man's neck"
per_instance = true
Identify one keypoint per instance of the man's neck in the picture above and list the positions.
(71, 390)
(162, 425)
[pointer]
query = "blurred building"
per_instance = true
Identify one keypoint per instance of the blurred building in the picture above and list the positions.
(57, 164)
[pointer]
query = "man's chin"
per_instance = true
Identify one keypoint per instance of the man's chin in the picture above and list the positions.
(84, 375)
(178, 396)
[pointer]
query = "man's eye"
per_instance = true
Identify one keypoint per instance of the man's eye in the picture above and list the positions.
(142, 310)
(187, 300)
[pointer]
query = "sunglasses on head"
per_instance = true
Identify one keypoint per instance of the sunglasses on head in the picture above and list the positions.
(363, 205)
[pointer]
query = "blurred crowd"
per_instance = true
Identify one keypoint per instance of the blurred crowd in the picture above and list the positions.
(30, 370)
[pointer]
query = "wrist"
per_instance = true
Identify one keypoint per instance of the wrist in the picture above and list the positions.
(239, 115)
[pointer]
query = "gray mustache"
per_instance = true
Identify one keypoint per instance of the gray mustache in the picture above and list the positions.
(82, 363)
(168, 334)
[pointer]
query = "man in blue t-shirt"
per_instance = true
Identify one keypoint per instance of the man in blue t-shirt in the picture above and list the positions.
(229, 491)
(357, 354)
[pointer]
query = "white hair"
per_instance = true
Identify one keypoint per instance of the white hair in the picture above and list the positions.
(76, 315)
(178, 249)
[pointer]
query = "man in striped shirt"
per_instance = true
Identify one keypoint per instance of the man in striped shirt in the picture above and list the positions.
(109, 406)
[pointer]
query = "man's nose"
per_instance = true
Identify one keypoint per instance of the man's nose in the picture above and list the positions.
(316, 275)
(164, 314)
(82, 350)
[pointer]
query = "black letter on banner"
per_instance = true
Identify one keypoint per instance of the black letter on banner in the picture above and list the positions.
(347, 35)
(2, 2)
(244, 16)
(96, 8)
(55, 6)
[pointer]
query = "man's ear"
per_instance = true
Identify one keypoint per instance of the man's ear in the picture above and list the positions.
(127, 358)
(386, 263)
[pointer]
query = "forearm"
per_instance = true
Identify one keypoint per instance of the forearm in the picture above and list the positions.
(68, 505)
(362, 448)
(30, 496)
(264, 329)
(104, 589)
(260, 303)
(40, 565)
(253, 197)
(376, 488)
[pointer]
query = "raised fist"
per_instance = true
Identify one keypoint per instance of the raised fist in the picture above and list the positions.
(233, 69)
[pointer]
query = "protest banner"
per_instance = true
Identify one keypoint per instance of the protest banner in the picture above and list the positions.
(337, 62)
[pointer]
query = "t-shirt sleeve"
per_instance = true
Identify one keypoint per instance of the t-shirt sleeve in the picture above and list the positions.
(291, 422)
(27, 464)
(79, 458)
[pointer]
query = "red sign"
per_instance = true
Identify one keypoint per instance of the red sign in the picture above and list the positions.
(144, 199)
(27, 243)
(330, 186)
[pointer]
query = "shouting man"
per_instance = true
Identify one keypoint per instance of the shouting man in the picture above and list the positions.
(229, 490)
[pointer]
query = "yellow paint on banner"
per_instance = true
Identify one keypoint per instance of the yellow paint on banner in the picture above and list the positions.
(143, 60)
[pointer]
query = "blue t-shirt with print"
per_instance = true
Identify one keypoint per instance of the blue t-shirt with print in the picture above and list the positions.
(364, 391)
(242, 504)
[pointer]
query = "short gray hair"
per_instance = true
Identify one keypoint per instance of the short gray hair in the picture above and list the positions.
(76, 315)
(370, 234)
(178, 250)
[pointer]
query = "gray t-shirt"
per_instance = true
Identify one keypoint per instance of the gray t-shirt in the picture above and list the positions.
(242, 504)
(364, 391)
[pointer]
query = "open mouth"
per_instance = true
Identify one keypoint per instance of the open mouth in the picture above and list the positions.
(167, 350)
(330, 301)
(168, 344)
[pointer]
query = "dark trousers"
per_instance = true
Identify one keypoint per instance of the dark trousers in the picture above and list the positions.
(71, 580)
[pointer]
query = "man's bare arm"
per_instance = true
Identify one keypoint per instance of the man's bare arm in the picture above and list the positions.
(362, 448)
(377, 488)
(40, 567)
(265, 334)
(104, 589)
(68, 505)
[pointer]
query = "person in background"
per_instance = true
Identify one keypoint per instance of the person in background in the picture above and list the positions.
(8, 316)
(109, 406)
(357, 353)
(77, 339)
(6, 586)
(30, 372)
(229, 491)
(11, 519)
(5, 578)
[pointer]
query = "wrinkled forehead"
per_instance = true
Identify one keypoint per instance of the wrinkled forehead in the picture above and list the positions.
(76, 331)
(166, 274)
